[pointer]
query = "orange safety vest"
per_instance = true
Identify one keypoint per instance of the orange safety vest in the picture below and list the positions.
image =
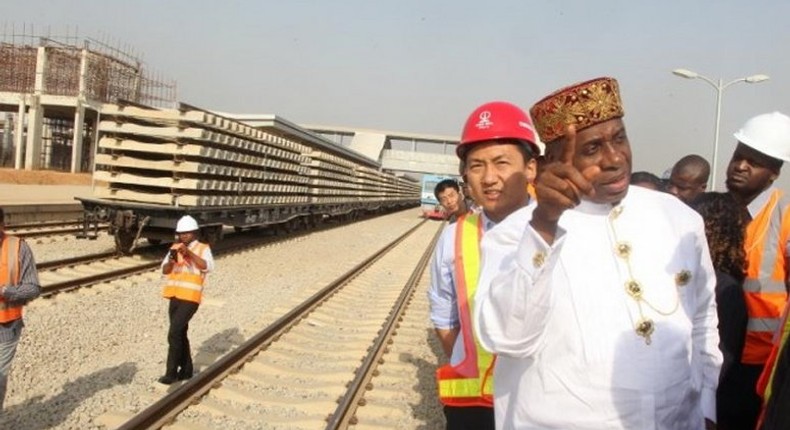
(9, 275)
(533, 193)
(468, 383)
(765, 290)
(185, 282)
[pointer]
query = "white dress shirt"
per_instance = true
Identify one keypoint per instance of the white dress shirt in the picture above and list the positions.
(563, 325)
(442, 294)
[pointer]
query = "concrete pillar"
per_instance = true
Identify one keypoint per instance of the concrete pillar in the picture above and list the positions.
(7, 142)
(36, 114)
(79, 115)
(19, 134)
(47, 145)
(76, 145)
(95, 143)
(35, 122)
(41, 67)
(137, 83)
(83, 82)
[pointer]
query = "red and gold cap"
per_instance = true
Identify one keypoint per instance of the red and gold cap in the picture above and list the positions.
(584, 104)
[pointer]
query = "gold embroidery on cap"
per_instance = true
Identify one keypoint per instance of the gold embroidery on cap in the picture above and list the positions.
(583, 105)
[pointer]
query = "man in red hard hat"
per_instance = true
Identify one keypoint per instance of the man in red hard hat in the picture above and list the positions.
(497, 152)
(599, 299)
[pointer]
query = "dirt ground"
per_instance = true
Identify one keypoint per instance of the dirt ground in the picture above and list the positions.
(43, 177)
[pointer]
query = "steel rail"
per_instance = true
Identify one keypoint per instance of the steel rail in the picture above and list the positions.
(46, 228)
(40, 233)
(71, 284)
(72, 261)
(59, 287)
(41, 224)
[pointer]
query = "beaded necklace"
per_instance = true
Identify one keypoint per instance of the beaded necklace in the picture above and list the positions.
(645, 326)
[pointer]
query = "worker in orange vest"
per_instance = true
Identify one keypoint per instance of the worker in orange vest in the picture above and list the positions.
(763, 145)
(185, 268)
(18, 285)
(497, 150)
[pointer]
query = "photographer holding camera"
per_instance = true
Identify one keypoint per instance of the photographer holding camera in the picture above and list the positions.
(185, 266)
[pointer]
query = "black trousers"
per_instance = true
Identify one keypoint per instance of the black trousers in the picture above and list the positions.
(469, 418)
(737, 402)
(179, 358)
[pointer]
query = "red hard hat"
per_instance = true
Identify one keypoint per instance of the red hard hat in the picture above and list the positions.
(497, 120)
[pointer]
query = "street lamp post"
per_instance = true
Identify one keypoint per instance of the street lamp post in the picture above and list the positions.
(719, 86)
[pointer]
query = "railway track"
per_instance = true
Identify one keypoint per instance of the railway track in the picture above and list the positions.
(72, 261)
(402, 393)
(312, 367)
(90, 270)
(48, 228)
(76, 272)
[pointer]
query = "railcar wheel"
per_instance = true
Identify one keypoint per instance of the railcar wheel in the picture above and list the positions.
(124, 240)
(212, 234)
(281, 229)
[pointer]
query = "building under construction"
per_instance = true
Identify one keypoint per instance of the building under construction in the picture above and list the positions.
(51, 93)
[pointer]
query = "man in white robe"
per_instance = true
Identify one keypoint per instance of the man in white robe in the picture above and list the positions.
(598, 300)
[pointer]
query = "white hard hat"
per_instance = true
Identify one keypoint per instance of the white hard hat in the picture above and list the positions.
(186, 224)
(768, 133)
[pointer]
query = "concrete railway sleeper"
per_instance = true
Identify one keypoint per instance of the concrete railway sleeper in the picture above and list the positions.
(311, 367)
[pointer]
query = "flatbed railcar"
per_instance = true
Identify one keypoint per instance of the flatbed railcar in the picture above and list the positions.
(155, 165)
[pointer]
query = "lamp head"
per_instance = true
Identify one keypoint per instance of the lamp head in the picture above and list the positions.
(683, 73)
(756, 78)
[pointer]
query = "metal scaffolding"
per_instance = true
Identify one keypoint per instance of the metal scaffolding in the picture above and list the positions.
(111, 73)
(52, 89)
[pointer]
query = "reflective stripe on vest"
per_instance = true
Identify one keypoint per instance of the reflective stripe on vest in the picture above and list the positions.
(9, 275)
(185, 282)
(469, 383)
(765, 291)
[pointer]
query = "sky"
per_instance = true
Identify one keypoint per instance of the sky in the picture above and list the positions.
(421, 66)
